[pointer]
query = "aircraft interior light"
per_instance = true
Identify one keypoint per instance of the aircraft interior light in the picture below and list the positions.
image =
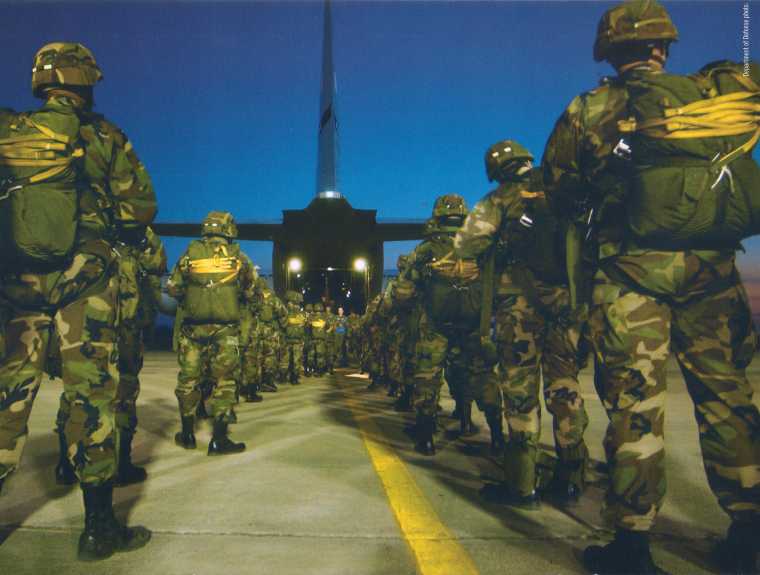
(360, 264)
(294, 265)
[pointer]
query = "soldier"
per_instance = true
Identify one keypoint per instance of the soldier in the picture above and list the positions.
(140, 270)
(60, 273)
(318, 331)
(270, 316)
(212, 280)
(450, 296)
(250, 364)
(651, 293)
(295, 331)
(330, 349)
(341, 333)
(308, 343)
(536, 333)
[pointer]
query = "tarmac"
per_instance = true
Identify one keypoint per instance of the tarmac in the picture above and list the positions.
(330, 484)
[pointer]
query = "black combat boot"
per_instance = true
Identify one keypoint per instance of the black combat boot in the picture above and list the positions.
(495, 425)
(738, 552)
(253, 394)
(233, 416)
(569, 476)
(103, 534)
(200, 411)
(220, 444)
(423, 431)
(267, 383)
(456, 413)
(294, 379)
(186, 437)
(466, 427)
(393, 389)
(127, 472)
(64, 471)
(519, 486)
(404, 402)
(627, 554)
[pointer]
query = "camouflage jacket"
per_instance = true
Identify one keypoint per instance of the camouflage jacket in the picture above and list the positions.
(582, 169)
(120, 193)
(587, 168)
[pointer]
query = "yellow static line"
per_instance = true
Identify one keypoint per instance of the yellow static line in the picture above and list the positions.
(435, 548)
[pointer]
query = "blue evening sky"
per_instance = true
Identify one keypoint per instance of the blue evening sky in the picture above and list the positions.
(221, 99)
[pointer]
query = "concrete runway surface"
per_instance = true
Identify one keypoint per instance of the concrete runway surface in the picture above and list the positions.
(330, 484)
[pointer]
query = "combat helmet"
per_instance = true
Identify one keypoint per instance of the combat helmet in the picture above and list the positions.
(64, 64)
(402, 262)
(292, 296)
(449, 212)
(219, 224)
(318, 308)
(504, 160)
(633, 21)
(309, 308)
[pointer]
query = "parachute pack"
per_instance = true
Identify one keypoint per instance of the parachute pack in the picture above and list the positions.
(40, 183)
(535, 237)
(695, 184)
(213, 271)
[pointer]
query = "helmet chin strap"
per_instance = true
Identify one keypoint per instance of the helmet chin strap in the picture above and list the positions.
(62, 92)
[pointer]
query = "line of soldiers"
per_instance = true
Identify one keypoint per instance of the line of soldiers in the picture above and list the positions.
(620, 247)
(235, 337)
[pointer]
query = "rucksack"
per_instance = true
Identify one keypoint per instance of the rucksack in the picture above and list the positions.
(41, 176)
(695, 184)
(454, 290)
(213, 282)
(533, 235)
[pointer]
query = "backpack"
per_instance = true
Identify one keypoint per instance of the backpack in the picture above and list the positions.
(695, 184)
(533, 235)
(213, 271)
(41, 176)
(454, 291)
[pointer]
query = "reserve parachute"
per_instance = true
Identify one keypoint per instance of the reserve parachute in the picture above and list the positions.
(695, 184)
(213, 271)
(40, 182)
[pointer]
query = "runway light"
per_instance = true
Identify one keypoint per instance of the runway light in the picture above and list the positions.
(294, 265)
(360, 264)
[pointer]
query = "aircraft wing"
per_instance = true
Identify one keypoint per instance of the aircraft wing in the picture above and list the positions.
(256, 231)
(401, 230)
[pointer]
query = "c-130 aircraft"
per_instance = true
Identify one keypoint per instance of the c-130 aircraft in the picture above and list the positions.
(329, 251)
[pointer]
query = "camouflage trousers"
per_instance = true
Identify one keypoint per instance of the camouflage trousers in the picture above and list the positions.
(644, 305)
(439, 349)
(294, 355)
(269, 342)
(537, 341)
(80, 306)
(208, 352)
(316, 355)
(131, 353)
(250, 365)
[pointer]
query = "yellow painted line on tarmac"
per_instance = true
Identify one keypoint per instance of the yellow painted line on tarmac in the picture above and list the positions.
(435, 548)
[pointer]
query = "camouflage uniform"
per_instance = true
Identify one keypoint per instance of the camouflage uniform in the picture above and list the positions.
(340, 335)
(140, 270)
(295, 331)
(212, 280)
(535, 332)
(448, 322)
(250, 367)
(644, 303)
(316, 355)
(77, 301)
(270, 316)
